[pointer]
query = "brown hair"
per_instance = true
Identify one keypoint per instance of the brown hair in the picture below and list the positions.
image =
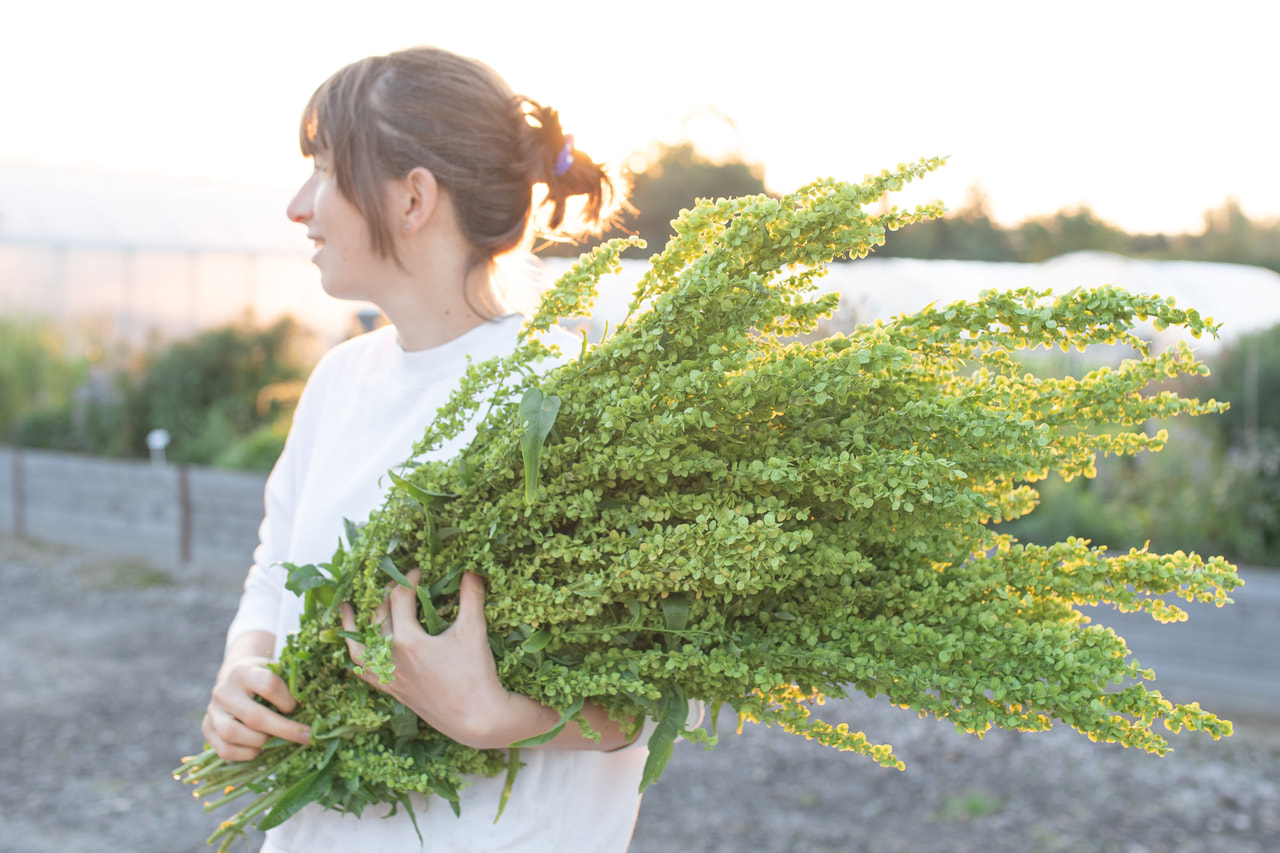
(380, 118)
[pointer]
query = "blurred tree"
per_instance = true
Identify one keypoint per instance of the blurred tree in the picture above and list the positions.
(1077, 230)
(671, 179)
(968, 233)
(677, 177)
(34, 369)
(205, 391)
(1230, 236)
(1227, 233)
(226, 386)
(1247, 374)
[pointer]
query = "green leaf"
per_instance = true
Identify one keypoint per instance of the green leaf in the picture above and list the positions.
(424, 500)
(307, 790)
(390, 568)
(403, 722)
(423, 496)
(303, 578)
(431, 620)
(353, 531)
(443, 788)
(537, 642)
(513, 767)
(548, 736)
(449, 583)
(675, 712)
(538, 414)
(413, 818)
(675, 611)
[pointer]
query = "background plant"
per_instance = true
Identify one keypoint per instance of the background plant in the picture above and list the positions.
(1217, 489)
(36, 369)
(226, 396)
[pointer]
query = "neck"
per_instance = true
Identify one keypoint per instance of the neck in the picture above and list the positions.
(433, 310)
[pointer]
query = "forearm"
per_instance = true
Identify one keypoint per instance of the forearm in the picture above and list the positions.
(519, 717)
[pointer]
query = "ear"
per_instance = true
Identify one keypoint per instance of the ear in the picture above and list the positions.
(414, 200)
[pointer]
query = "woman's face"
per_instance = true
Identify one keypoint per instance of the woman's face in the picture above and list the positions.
(345, 255)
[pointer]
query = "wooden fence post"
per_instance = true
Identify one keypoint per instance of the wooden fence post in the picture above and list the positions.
(19, 494)
(184, 515)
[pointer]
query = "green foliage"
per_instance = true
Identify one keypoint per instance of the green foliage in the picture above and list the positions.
(674, 179)
(969, 806)
(1229, 236)
(225, 396)
(1216, 490)
(257, 451)
(205, 390)
(1247, 372)
(1197, 495)
(34, 370)
(733, 518)
(968, 233)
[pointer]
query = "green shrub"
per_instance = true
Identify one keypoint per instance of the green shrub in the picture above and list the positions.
(35, 370)
(1194, 496)
(225, 396)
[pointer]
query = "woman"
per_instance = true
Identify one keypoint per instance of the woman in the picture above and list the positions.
(425, 168)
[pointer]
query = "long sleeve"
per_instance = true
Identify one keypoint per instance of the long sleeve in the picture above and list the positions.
(264, 585)
(264, 588)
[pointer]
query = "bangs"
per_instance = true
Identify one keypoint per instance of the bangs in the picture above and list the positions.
(313, 134)
(340, 123)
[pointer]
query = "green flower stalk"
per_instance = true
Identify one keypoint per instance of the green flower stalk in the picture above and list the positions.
(701, 507)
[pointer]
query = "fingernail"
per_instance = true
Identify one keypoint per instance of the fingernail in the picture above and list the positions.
(306, 736)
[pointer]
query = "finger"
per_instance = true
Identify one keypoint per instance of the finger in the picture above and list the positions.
(272, 687)
(226, 750)
(245, 722)
(382, 617)
(234, 732)
(471, 600)
(404, 601)
(348, 617)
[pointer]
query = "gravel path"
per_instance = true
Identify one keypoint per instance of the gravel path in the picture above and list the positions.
(108, 664)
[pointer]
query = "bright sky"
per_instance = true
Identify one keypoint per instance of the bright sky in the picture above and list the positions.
(1150, 112)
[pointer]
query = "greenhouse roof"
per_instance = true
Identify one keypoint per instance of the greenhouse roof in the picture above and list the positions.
(44, 206)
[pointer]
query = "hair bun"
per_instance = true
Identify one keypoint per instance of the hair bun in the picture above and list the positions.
(568, 172)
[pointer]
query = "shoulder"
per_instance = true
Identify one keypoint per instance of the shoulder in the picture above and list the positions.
(354, 355)
(350, 362)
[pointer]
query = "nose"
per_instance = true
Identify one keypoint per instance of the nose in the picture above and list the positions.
(299, 209)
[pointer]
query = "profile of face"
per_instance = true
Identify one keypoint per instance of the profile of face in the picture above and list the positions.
(345, 256)
(383, 118)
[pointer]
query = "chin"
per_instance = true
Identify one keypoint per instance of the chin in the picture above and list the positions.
(339, 291)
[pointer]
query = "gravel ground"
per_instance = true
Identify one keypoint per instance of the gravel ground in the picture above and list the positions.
(108, 662)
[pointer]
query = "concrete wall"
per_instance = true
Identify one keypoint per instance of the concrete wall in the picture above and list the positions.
(170, 513)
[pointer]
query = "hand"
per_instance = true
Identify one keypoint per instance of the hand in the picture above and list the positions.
(235, 723)
(451, 681)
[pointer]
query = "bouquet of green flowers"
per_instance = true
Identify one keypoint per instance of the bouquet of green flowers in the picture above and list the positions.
(700, 506)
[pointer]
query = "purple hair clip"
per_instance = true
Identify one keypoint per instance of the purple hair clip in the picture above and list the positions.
(565, 158)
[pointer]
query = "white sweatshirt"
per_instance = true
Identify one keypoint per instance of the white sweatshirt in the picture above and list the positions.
(364, 406)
